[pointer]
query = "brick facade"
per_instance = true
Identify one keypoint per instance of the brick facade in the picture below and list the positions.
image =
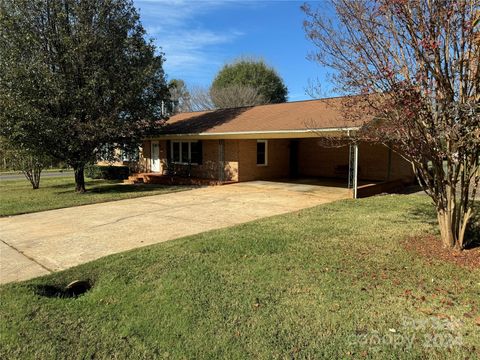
(318, 161)
(277, 160)
(313, 160)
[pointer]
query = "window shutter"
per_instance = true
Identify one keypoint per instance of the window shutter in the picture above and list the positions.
(200, 152)
(169, 151)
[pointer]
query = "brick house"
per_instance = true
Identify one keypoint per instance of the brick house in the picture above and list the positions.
(265, 142)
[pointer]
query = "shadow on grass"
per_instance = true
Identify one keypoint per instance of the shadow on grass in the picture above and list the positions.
(88, 184)
(424, 212)
(72, 290)
(126, 188)
(116, 188)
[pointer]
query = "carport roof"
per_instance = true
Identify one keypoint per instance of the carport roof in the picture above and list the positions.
(323, 115)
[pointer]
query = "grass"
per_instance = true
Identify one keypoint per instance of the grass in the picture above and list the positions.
(17, 196)
(330, 282)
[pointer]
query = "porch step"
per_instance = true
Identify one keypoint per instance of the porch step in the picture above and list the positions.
(155, 178)
(134, 179)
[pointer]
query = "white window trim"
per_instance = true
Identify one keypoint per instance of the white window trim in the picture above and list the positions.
(266, 152)
(181, 162)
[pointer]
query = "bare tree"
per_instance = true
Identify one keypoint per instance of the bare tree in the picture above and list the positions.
(200, 99)
(420, 60)
(236, 96)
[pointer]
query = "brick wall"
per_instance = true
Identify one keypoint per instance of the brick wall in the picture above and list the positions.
(240, 160)
(401, 168)
(373, 163)
(210, 167)
(316, 160)
(278, 151)
(144, 159)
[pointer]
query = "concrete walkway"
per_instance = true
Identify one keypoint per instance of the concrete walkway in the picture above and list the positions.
(36, 244)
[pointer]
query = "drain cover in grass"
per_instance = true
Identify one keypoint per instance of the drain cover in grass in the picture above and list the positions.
(77, 287)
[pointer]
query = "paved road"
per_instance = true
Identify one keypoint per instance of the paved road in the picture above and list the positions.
(36, 244)
(44, 175)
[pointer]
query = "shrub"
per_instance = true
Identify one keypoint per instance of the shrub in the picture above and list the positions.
(107, 172)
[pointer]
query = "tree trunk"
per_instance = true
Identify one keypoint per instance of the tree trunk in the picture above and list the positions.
(33, 175)
(79, 178)
(453, 223)
(37, 171)
(446, 228)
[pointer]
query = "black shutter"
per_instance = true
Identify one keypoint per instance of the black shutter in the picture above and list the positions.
(200, 152)
(169, 150)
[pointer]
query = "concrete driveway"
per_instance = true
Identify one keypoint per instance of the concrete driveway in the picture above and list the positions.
(36, 244)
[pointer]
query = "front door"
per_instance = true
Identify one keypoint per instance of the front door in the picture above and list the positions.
(293, 158)
(155, 158)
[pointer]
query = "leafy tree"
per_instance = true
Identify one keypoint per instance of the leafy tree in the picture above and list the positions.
(179, 96)
(76, 76)
(244, 78)
(417, 63)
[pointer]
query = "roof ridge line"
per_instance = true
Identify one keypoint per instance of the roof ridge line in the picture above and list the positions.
(269, 104)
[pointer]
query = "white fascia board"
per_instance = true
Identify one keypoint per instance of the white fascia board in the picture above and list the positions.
(311, 132)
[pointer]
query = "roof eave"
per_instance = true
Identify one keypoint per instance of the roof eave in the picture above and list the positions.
(272, 134)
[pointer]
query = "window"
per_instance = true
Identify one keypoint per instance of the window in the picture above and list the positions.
(176, 152)
(130, 155)
(196, 152)
(186, 152)
(262, 152)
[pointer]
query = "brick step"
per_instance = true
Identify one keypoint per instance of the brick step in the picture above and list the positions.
(134, 179)
(154, 178)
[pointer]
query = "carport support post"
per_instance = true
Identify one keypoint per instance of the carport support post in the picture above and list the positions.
(355, 170)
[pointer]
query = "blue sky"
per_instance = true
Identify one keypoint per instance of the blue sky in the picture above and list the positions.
(199, 37)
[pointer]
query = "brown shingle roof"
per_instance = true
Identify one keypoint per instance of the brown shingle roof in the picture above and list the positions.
(293, 116)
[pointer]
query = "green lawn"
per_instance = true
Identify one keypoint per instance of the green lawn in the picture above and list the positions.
(17, 196)
(332, 282)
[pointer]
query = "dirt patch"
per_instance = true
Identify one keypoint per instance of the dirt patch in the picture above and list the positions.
(430, 247)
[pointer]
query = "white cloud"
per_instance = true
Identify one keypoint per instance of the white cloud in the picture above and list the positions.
(191, 49)
(188, 49)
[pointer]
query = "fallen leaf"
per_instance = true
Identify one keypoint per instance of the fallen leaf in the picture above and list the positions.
(426, 311)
